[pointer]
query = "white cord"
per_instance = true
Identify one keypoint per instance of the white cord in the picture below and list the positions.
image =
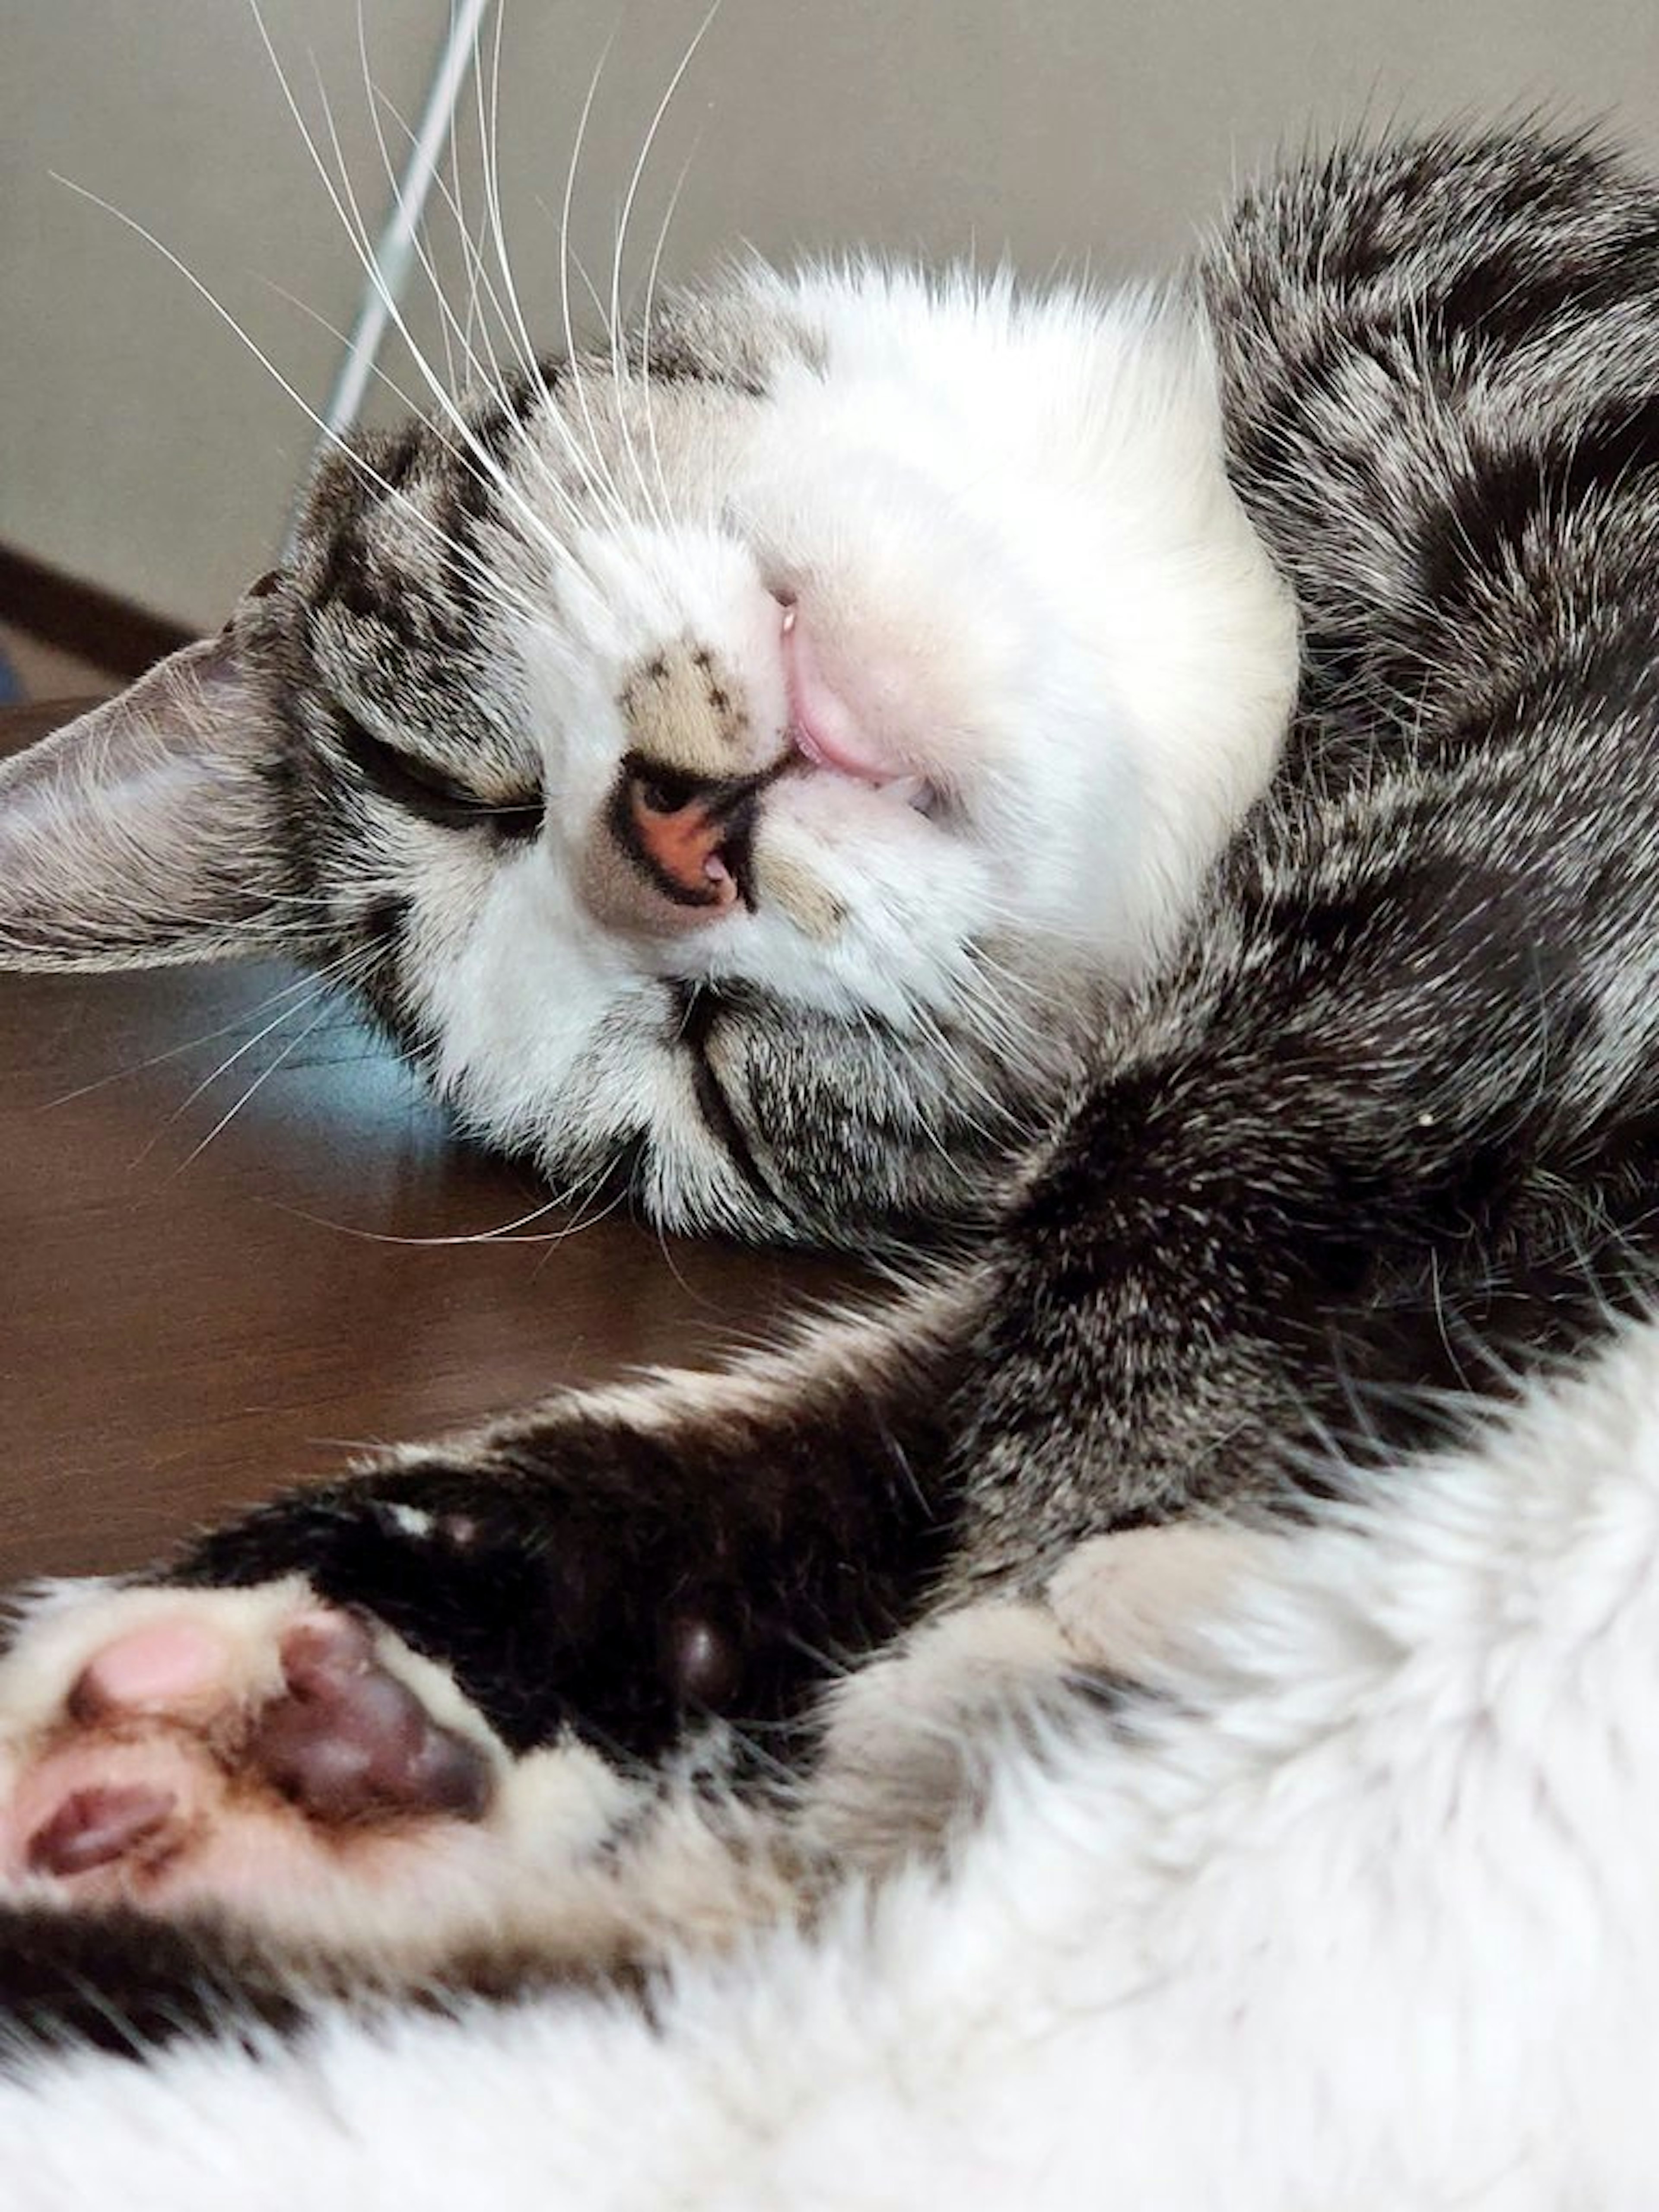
(394, 250)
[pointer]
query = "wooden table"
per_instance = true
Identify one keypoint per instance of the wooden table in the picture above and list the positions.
(228, 1260)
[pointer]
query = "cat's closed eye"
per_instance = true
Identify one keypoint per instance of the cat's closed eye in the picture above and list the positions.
(417, 785)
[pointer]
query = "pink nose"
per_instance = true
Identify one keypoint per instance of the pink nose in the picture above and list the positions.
(682, 844)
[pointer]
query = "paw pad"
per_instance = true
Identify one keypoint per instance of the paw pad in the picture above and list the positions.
(92, 1827)
(349, 1740)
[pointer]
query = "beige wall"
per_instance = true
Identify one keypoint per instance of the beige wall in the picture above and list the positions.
(141, 447)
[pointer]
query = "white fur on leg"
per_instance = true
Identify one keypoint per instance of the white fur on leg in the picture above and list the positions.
(1127, 1600)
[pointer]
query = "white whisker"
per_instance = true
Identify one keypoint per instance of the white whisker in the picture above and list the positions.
(492, 470)
(300, 983)
(618, 361)
(323, 983)
(645, 321)
(507, 1232)
(571, 352)
(158, 246)
(510, 313)
(261, 1079)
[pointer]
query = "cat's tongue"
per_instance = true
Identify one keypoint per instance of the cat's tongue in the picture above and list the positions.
(825, 727)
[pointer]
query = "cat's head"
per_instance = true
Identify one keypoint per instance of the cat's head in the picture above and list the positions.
(735, 761)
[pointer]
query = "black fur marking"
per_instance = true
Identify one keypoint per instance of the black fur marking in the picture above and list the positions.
(114, 1980)
(394, 460)
(345, 578)
(674, 360)
(622, 1179)
(701, 1008)
(385, 923)
(118, 1981)
(1511, 294)
(429, 792)
(583, 1574)
(1483, 526)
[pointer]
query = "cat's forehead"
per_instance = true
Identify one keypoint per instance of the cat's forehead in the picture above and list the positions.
(493, 455)
(399, 581)
(425, 549)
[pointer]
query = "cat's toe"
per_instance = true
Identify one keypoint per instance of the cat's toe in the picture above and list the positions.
(108, 1812)
(106, 1821)
(168, 1665)
(349, 1740)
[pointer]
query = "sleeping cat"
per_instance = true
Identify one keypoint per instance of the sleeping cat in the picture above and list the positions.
(844, 767)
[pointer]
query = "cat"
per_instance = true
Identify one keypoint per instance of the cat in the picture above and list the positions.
(1153, 794)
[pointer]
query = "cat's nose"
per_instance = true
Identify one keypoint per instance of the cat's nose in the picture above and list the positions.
(686, 839)
(673, 851)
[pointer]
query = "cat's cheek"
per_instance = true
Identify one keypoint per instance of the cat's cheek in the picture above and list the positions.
(862, 906)
(515, 1001)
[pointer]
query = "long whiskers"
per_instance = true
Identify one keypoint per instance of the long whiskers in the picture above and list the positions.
(301, 984)
(482, 367)
(571, 351)
(478, 367)
(505, 1232)
(399, 234)
(618, 357)
(483, 299)
(325, 993)
(645, 402)
(509, 491)
(341, 970)
(364, 467)
(589, 464)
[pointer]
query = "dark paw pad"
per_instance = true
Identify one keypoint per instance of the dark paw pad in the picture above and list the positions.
(349, 1741)
(93, 1827)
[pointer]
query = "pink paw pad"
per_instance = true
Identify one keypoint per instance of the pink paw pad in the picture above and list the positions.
(92, 1827)
(159, 1668)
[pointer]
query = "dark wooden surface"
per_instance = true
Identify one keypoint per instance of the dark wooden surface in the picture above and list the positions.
(227, 1264)
(79, 618)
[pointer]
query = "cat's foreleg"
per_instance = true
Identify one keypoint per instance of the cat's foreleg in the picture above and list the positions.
(406, 1699)
(616, 1562)
(1373, 1155)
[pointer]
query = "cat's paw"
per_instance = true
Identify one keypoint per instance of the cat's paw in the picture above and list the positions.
(293, 1764)
(1126, 1601)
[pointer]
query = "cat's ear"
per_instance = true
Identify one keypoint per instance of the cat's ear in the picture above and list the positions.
(148, 830)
